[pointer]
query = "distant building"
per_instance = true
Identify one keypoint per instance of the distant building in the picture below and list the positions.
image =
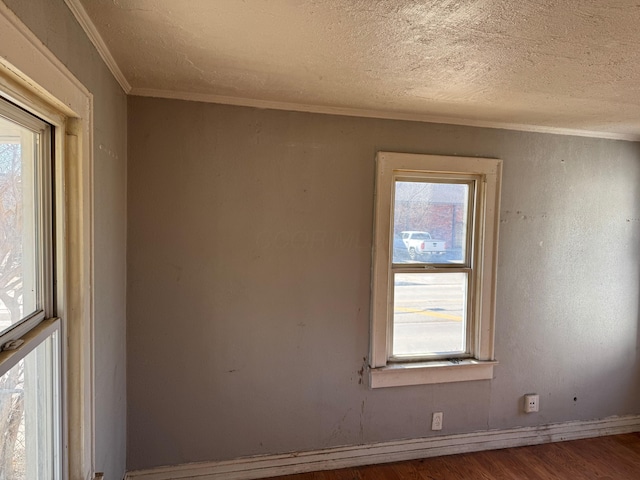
(437, 208)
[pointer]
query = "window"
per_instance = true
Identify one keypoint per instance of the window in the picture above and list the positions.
(30, 360)
(434, 269)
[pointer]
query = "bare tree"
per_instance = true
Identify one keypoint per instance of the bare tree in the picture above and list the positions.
(412, 205)
(11, 239)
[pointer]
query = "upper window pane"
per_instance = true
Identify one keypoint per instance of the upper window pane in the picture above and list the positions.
(430, 222)
(18, 220)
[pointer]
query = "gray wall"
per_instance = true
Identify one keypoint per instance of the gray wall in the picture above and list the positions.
(249, 272)
(56, 27)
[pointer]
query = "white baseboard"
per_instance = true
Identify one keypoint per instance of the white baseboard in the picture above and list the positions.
(340, 457)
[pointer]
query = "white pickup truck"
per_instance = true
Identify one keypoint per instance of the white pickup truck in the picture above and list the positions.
(420, 243)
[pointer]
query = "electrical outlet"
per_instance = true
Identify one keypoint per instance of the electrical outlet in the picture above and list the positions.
(436, 421)
(531, 403)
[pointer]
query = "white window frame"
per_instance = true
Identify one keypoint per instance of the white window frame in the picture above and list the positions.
(32, 77)
(34, 329)
(481, 360)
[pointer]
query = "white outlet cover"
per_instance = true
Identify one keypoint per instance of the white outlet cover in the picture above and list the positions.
(531, 403)
(436, 421)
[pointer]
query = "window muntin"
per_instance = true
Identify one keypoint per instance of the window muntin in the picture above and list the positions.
(469, 251)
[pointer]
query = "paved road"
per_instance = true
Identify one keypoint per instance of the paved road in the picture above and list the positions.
(428, 313)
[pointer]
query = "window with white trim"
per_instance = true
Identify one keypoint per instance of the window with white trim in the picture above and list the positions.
(434, 269)
(30, 350)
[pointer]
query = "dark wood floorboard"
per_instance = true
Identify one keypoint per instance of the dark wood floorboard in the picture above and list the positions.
(615, 457)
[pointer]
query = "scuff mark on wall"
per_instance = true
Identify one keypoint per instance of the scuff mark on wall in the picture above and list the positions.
(338, 430)
(111, 153)
(521, 215)
(177, 271)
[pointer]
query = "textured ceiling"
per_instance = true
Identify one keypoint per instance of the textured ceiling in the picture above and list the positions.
(568, 64)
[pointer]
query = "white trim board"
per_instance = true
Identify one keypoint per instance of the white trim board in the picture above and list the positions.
(353, 456)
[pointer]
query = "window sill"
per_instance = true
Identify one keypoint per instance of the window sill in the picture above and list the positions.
(424, 373)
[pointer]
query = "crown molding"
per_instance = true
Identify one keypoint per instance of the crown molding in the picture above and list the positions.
(381, 114)
(92, 32)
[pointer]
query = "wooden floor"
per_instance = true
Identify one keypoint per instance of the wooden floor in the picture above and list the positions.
(606, 458)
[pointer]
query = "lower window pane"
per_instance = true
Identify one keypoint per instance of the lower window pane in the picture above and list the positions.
(29, 419)
(429, 314)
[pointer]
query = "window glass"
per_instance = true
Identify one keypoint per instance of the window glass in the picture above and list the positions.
(29, 416)
(429, 314)
(431, 220)
(18, 219)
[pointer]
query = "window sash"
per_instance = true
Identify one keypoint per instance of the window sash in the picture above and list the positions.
(428, 266)
(36, 338)
(471, 206)
(43, 227)
(467, 330)
(42, 414)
